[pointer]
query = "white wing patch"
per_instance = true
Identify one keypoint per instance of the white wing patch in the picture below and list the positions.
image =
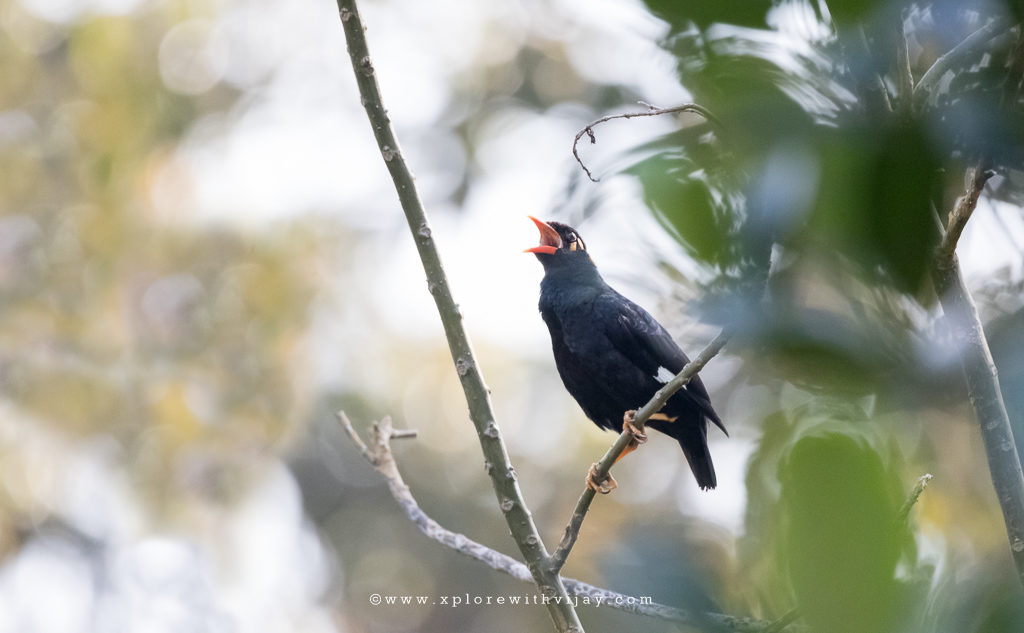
(664, 375)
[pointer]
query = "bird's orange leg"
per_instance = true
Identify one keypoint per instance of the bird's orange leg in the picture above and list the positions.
(605, 486)
(639, 437)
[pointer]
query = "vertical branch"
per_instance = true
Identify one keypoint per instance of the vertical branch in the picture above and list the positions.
(499, 468)
(980, 372)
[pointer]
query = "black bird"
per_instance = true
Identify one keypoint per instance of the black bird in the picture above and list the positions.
(612, 355)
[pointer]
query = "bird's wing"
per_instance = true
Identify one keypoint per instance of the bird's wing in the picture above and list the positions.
(642, 340)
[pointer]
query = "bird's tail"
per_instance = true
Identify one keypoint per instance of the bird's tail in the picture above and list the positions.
(693, 438)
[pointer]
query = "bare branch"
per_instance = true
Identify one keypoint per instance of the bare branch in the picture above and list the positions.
(651, 111)
(915, 494)
(961, 213)
(572, 530)
(381, 458)
(979, 369)
(502, 475)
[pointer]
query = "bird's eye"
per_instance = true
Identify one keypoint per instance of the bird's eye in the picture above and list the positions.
(575, 243)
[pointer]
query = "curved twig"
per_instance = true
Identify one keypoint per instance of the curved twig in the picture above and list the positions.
(651, 111)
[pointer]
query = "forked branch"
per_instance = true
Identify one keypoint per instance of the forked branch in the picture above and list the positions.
(379, 454)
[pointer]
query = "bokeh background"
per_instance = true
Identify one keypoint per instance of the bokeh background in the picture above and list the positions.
(201, 260)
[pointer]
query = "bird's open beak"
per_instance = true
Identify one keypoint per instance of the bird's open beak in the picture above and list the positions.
(550, 240)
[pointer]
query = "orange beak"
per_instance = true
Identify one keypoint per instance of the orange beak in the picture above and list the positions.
(550, 240)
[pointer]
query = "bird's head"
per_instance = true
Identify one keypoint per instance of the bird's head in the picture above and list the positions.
(559, 244)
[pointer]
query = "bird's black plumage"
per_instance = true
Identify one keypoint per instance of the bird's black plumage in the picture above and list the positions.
(612, 355)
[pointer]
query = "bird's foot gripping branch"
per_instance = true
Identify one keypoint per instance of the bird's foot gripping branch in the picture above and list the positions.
(606, 483)
(629, 424)
(603, 484)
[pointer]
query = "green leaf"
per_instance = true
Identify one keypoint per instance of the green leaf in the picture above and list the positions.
(874, 201)
(680, 15)
(684, 205)
(847, 12)
(842, 539)
(899, 214)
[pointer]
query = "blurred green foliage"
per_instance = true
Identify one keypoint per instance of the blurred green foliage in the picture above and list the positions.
(823, 161)
(175, 340)
(188, 344)
(841, 530)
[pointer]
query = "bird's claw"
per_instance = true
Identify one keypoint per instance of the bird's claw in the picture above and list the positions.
(628, 423)
(604, 486)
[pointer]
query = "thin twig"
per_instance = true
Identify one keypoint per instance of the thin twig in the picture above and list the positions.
(961, 213)
(383, 461)
(984, 393)
(971, 46)
(904, 513)
(572, 530)
(651, 111)
(780, 625)
(499, 468)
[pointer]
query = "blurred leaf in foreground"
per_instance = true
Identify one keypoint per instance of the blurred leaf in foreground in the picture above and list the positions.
(842, 537)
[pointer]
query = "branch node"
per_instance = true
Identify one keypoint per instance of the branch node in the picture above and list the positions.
(366, 66)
